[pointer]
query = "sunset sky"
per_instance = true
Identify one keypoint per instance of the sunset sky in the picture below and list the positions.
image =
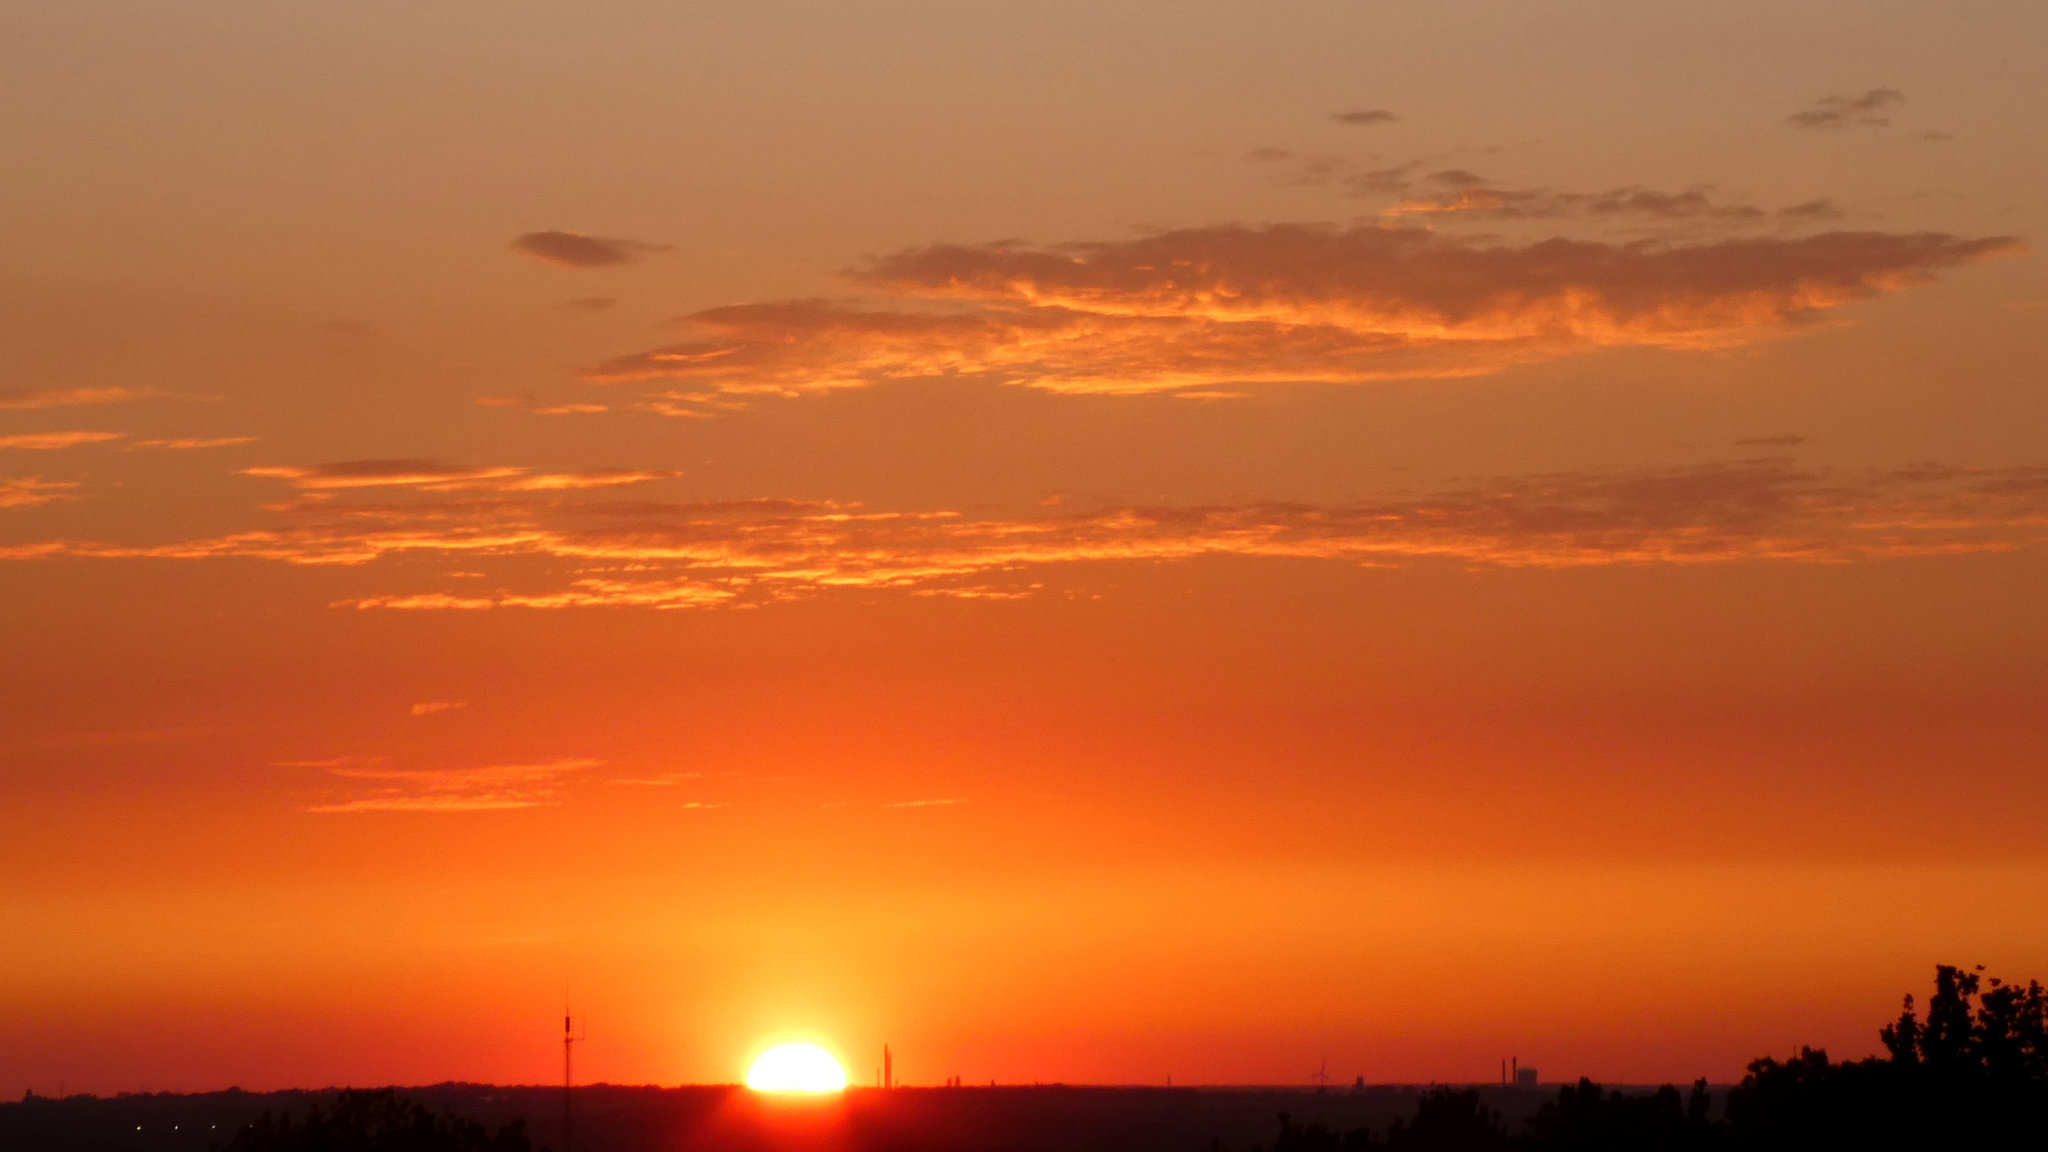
(1084, 541)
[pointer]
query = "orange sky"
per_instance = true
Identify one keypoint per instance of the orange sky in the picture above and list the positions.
(1090, 542)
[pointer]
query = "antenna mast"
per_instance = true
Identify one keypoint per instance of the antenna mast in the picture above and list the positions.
(569, 1041)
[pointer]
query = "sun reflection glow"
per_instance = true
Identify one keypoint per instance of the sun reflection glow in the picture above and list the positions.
(796, 1068)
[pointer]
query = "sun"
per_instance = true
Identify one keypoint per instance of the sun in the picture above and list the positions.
(796, 1068)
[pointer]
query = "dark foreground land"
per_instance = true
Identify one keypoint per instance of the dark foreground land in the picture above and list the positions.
(1970, 1074)
(611, 1118)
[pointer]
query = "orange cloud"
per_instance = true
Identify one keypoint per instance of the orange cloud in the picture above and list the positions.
(668, 555)
(1477, 197)
(55, 441)
(434, 476)
(432, 706)
(189, 443)
(1419, 287)
(497, 787)
(665, 780)
(1209, 309)
(576, 250)
(29, 491)
(26, 399)
(1364, 117)
(527, 404)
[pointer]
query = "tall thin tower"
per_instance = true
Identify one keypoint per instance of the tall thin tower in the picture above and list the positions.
(888, 1068)
(569, 1042)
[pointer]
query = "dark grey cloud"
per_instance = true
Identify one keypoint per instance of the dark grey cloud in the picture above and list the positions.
(1822, 209)
(1419, 189)
(1458, 178)
(1872, 109)
(576, 250)
(1364, 117)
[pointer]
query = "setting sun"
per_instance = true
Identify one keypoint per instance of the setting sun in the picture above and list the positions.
(796, 1068)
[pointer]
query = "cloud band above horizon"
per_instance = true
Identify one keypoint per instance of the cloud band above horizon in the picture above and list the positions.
(1231, 306)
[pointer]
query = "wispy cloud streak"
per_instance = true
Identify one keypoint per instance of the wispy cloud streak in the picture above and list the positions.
(659, 554)
(190, 443)
(576, 250)
(55, 441)
(434, 476)
(1871, 109)
(30, 491)
(498, 787)
(31, 399)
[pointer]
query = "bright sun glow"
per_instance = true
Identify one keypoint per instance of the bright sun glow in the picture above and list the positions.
(796, 1068)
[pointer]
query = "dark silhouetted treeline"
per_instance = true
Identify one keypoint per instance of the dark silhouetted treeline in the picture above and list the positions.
(377, 1120)
(1970, 1075)
(1582, 1117)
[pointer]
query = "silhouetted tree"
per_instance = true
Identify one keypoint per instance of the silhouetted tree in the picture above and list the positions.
(377, 1120)
(1582, 1119)
(1317, 1138)
(1448, 1120)
(1973, 1074)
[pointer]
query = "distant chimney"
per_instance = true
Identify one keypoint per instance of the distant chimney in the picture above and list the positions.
(888, 1068)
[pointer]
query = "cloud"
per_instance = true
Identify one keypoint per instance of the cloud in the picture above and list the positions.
(29, 491)
(330, 762)
(1872, 109)
(527, 404)
(1364, 117)
(1230, 306)
(1822, 209)
(1452, 195)
(576, 250)
(53, 441)
(1478, 197)
(498, 787)
(665, 780)
(612, 553)
(941, 802)
(190, 443)
(432, 706)
(27, 399)
(1789, 440)
(434, 476)
(427, 803)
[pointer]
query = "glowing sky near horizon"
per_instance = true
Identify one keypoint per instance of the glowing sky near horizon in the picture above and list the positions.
(1082, 541)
